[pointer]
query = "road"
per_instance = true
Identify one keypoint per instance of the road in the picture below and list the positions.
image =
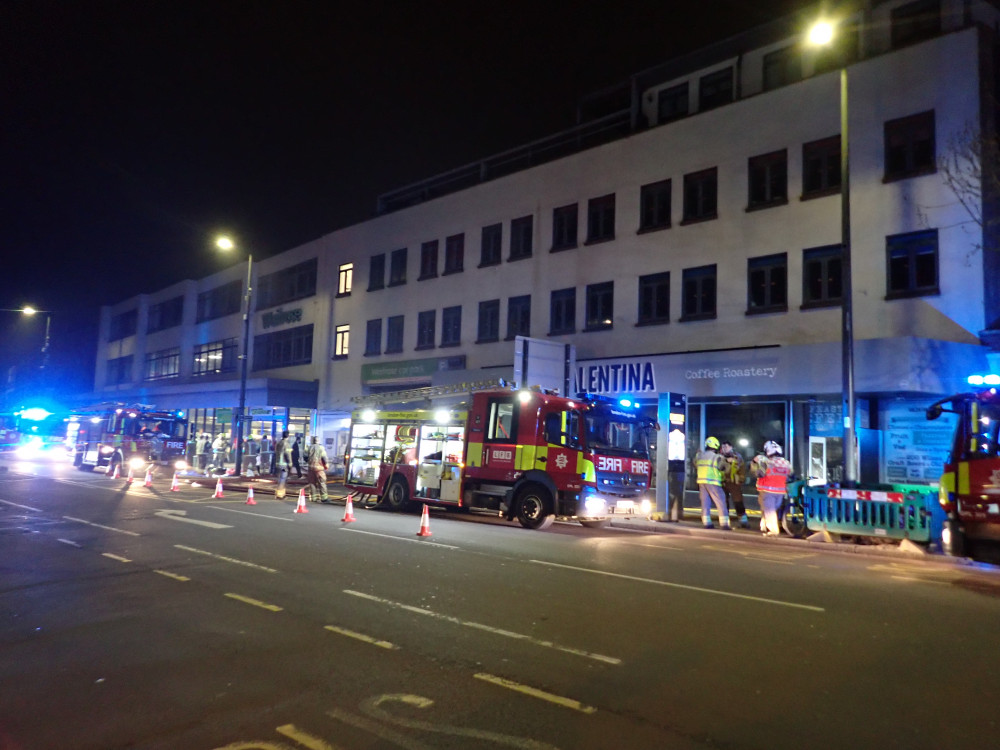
(134, 617)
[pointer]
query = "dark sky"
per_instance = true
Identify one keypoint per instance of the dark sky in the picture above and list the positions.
(131, 132)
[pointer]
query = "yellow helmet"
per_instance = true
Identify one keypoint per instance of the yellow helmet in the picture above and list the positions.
(713, 443)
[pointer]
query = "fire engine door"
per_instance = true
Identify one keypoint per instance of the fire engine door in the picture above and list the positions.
(500, 443)
(562, 438)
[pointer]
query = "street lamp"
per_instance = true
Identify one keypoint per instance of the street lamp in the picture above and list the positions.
(225, 243)
(28, 310)
(823, 33)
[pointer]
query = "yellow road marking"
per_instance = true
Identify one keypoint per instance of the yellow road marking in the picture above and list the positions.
(168, 574)
(362, 637)
(304, 739)
(914, 579)
(536, 693)
(119, 558)
(255, 602)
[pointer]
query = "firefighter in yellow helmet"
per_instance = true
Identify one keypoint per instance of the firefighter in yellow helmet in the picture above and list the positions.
(710, 467)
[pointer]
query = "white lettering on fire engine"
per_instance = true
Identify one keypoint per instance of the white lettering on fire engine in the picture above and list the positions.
(503, 455)
(631, 465)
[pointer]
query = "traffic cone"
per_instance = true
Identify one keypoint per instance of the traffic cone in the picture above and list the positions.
(425, 523)
(174, 484)
(117, 474)
(301, 505)
(250, 500)
(130, 477)
(348, 512)
(218, 488)
(149, 479)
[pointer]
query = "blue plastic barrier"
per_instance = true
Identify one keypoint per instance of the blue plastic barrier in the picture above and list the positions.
(900, 513)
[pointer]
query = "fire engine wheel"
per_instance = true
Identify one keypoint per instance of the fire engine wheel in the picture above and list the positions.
(396, 496)
(533, 507)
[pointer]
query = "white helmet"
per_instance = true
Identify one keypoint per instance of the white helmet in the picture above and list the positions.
(771, 447)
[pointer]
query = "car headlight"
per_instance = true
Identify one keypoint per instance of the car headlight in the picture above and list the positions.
(595, 505)
(136, 463)
(181, 465)
(106, 449)
(645, 506)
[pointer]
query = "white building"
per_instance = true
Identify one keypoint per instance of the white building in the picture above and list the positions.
(687, 243)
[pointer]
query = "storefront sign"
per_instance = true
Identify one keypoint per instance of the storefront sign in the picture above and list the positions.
(618, 377)
(730, 372)
(409, 370)
(280, 317)
(915, 449)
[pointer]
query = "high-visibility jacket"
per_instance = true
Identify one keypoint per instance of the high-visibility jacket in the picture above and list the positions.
(775, 477)
(709, 466)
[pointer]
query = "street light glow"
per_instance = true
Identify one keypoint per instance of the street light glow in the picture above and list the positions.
(28, 310)
(821, 33)
(224, 243)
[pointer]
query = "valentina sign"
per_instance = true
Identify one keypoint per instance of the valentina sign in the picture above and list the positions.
(280, 317)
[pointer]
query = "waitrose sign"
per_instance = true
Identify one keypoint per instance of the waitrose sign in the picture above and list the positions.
(281, 317)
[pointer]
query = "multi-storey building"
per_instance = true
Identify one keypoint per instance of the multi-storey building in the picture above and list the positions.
(687, 241)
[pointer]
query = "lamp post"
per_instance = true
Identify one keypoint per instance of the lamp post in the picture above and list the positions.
(225, 243)
(28, 310)
(821, 34)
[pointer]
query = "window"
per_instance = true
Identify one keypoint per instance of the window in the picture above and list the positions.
(492, 244)
(489, 322)
(767, 284)
(342, 341)
(165, 315)
(376, 272)
(292, 346)
(672, 103)
(915, 22)
(223, 300)
(287, 285)
(912, 264)
(394, 334)
(521, 231)
(700, 195)
(215, 357)
(345, 279)
(781, 67)
(519, 316)
(123, 324)
(767, 177)
(451, 326)
(654, 299)
(698, 293)
(601, 218)
(821, 167)
(654, 206)
(600, 310)
(425, 329)
(715, 89)
(119, 370)
(822, 276)
(428, 260)
(909, 146)
(165, 363)
(562, 312)
(502, 426)
(454, 254)
(373, 337)
(397, 267)
(564, 225)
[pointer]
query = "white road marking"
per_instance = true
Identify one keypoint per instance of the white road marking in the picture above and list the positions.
(102, 526)
(485, 628)
(168, 574)
(225, 559)
(181, 515)
(306, 740)
(71, 543)
(362, 637)
(398, 538)
(536, 693)
(255, 602)
(23, 507)
(698, 589)
(119, 558)
(248, 513)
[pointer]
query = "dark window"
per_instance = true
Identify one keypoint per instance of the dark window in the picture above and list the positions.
(715, 89)
(600, 306)
(426, 322)
(781, 67)
(909, 146)
(672, 103)
(397, 267)
(292, 346)
(698, 293)
(654, 298)
(601, 218)
(701, 195)
(341, 341)
(373, 337)
(123, 324)
(345, 279)
(287, 285)
(915, 22)
(492, 244)
(394, 334)
(821, 167)
(822, 276)
(454, 254)
(562, 312)
(912, 264)
(564, 226)
(428, 260)
(521, 231)
(165, 363)
(119, 370)
(376, 272)
(519, 316)
(489, 322)
(654, 206)
(167, 314)
(767, 178)
(451, 326)
(214, 357)
(767, 283)
(223, 300)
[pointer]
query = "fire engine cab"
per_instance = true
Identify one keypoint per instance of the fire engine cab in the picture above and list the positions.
(528, 454)
(136, 437)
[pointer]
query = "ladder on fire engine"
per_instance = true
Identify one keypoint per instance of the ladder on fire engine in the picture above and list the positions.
(431, 391)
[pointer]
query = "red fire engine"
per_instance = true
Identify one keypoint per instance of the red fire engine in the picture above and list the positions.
(530, 454)
(136, 437)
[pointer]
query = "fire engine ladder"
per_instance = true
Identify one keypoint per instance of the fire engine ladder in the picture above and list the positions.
(431, 392)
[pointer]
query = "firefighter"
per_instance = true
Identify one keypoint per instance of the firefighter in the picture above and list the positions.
(733, 478)
(774, 472)
(282, 460)
(710, 466)
(316, 463)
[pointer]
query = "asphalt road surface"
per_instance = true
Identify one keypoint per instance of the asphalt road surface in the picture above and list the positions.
(135, 617)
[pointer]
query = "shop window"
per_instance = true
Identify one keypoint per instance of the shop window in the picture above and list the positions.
(426, 325)
(564, 227)
(428, 260)
(654, 206)
(562, 312)
(767, 178)
(373, 337)
(701, 195)
(767, 284)
(489, 322)
(698, 293)
(394, 334)
(521, 231)
(672, 103)
(491, 247)
(912, 260)
(821, 167)
(451, 326)
(822, 276)
(600, 306)
(601, 219)
(518, 316)
(909, 146)
(654, 299)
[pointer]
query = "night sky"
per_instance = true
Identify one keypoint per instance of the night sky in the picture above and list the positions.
(131, 132)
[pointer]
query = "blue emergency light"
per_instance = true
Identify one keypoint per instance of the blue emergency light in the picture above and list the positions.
(991, 379)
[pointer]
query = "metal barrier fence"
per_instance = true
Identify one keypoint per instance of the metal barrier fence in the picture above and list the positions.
(905, 512)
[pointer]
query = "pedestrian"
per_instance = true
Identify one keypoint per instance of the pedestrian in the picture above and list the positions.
(774, 472)
(710, 465)
(282, 460)
(297, 458)
(220, 450)
(316, 465)
(201, 446)
(734, 475)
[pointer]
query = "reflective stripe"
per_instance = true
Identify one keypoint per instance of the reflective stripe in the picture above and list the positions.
(708, 468)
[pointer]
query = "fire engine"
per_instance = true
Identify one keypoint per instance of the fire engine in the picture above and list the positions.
(527, 453)
(969, 490)
(134, 437)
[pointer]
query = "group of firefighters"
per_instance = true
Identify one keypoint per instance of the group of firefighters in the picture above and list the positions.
(721, 473)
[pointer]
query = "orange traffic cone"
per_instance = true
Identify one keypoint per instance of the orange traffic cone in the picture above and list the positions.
(117, 474)
(301, 505)
(175, 485)
(250, 500)
(149, 478)
(130, 477)
(348, 512)
(218, 488)
(425, 523)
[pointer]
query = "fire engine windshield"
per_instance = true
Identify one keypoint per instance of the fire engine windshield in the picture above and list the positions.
(610, 431)
(152, 427)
